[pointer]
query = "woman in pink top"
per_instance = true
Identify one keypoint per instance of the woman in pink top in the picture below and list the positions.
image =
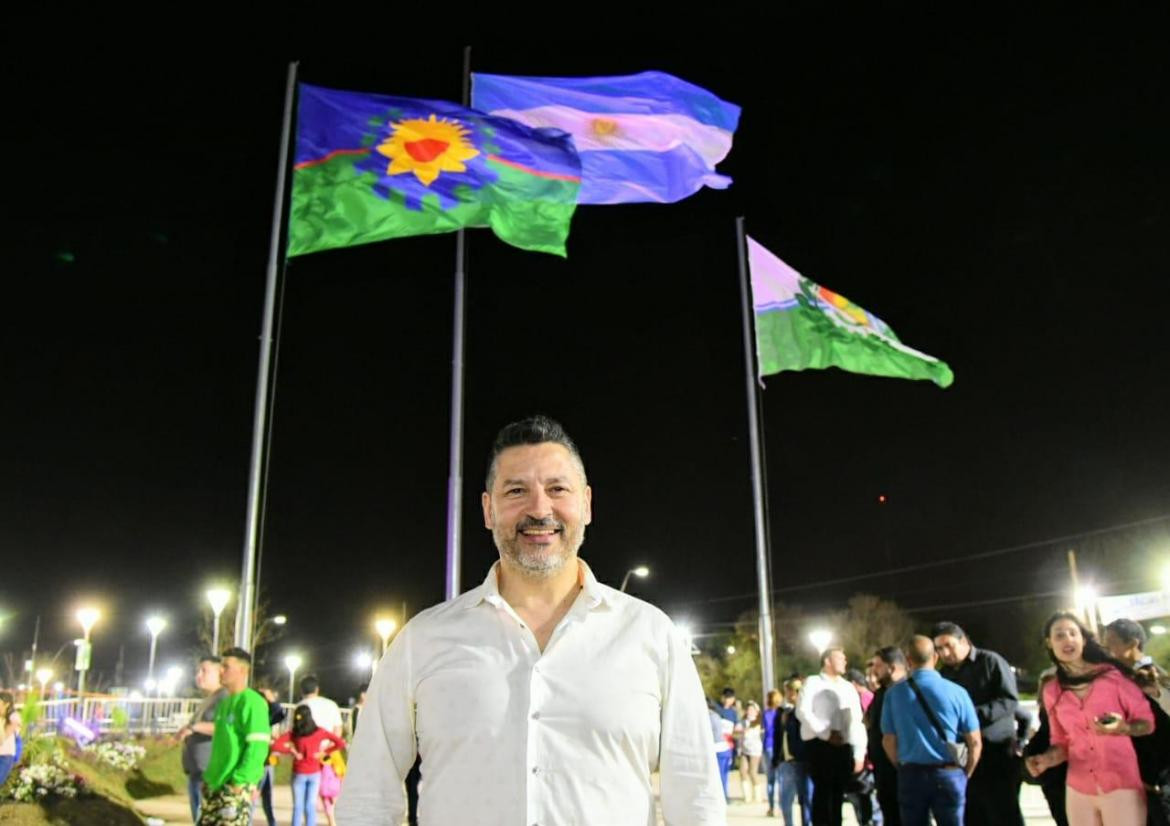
(1094, 708)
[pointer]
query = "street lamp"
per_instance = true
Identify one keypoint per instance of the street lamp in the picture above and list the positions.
(364, 661)
(641, 572)
(218, 597)
(43, 677)
(1086, 600)
(87, 617)
(820, 639)
(385, 627)
(155, 626)
(292, 662)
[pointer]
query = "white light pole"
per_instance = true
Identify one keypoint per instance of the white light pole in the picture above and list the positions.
(155, 626)
(641, 572)
(385, 627)
(218, 597)
(87, 617)
(292, 662)
(1086, 599)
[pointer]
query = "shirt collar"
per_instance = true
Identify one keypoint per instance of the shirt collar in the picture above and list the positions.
(489, 591)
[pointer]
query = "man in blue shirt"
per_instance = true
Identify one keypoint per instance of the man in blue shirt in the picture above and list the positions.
(929, 780)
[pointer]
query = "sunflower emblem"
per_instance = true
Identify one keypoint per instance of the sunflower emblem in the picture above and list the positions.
(427, 147)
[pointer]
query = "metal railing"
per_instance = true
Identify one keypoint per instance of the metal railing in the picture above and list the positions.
(155, 715)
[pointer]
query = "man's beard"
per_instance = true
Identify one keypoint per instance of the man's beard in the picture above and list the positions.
(539, 563)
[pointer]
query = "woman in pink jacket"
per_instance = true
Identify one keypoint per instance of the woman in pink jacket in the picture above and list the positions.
(1094, 708)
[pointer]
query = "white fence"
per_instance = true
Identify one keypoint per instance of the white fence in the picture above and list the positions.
(155, 715)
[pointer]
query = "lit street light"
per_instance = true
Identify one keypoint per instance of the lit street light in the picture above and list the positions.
(641, 572)
(364, 662)
(292, 662)
(218, 597)
(1086, 600)
(88, 617)
(820, 639)
(385, 627)
(155, 626)
(43, 677)
(731, 649)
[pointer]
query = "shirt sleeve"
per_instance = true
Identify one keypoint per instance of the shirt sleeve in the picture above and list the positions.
(1057, 736)
(691, 793)
(968, 721)
(856, 735)
(1134, 703)
(384, 747)
(887, 721)
(282, 744)
(257, 735)
(1002, 695)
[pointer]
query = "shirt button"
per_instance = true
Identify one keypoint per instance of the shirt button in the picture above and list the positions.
(536, 715)
(535, 770)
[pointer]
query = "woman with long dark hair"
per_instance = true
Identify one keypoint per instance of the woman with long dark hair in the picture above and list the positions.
(309, 745)
(1093, 708)
(9, 731)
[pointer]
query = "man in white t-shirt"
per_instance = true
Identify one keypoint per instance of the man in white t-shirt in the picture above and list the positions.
(325, 711)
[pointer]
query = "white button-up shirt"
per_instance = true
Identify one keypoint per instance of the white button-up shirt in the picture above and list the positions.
(516, 737)
(829, 704)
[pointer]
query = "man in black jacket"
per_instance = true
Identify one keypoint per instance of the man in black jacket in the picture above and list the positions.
(888, 667)
(993, 793)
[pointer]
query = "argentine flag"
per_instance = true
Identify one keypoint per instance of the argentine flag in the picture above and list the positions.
(650, 137)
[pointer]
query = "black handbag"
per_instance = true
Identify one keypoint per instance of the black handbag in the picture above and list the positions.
(862, 783)
(956, 751)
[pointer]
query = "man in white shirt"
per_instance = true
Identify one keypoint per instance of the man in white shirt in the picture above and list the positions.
(834, 735)
(540, 697)
(325, 712)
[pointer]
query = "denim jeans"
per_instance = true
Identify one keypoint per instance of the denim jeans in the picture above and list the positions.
(772, 772)
(724, 759)
(195, 794)
(7, 761)
(926, 790)
(304, 788)
(795, 783)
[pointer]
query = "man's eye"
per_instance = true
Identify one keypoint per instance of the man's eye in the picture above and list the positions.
(513, 491)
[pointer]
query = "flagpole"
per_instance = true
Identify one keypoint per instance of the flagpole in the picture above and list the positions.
(246, 599)
(763, 577)
(459, 326)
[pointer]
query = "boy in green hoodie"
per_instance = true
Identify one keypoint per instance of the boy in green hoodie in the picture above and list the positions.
(239, 747)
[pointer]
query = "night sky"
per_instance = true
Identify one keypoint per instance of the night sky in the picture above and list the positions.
(1000, 202)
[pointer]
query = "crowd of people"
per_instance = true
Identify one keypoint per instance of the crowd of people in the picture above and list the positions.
(229, 754)
(934, 728)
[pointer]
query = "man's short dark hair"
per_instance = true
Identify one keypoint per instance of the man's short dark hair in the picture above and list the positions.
(891, 655)
(728, 692)
(947, 629)
(825, 654)
(534, 430)
(1129, 632)
(855, 676)
(310, 684)
(211, 658)
(237, 654)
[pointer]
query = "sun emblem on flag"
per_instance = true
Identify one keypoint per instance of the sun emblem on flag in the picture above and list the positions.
(427, 147)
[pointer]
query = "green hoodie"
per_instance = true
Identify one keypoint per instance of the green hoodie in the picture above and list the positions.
(239, 746)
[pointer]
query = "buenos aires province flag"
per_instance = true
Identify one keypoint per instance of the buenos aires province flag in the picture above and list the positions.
(801, 325)
(649, 137)
(371, 167)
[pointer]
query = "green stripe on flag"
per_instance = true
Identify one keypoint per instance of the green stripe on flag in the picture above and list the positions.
(799, 338)
(334, 205)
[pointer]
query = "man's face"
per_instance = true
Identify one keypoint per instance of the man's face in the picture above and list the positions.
(836, 663)
(207, 676)
(538, 507)
(729, 701)
(879, 670)
(1119, 648)
(235, 674)
(952, 650)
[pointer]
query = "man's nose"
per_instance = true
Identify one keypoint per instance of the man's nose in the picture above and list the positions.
(539, 504)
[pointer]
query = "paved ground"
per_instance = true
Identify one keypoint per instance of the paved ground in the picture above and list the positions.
(173, 809)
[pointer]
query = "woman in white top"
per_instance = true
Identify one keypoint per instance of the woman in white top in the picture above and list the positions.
(10, 720)
(751, 748)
